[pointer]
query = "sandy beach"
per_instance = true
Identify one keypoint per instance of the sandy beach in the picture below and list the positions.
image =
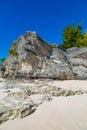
(61, 113)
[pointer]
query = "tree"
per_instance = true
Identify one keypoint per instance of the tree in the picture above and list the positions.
(72, 36)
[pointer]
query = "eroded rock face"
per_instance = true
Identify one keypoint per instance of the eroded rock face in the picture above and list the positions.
(36, 59)
(32, 52)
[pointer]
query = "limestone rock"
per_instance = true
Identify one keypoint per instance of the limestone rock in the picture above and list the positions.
(32, 51)
(37, 59)
(77, 58)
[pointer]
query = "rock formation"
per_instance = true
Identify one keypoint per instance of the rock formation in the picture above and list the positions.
(37, 59)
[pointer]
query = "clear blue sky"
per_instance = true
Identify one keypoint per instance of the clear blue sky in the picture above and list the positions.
(47, 17)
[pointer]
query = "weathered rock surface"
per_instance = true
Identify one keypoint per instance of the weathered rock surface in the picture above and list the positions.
(77, 59)
(19, 106)
(37, 59)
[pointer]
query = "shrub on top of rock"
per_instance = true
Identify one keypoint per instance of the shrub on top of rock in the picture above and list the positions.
(13, 52)
(2, 60)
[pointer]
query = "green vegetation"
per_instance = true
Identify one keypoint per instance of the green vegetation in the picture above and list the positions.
(13, 53)
(2, 60)
(73, 36)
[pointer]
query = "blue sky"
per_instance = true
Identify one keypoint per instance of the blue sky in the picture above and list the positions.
(47, 17)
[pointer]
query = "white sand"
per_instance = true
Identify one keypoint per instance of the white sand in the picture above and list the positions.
(70, 84)
(62, 113)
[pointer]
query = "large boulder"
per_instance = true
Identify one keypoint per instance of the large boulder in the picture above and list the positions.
(32, 52)
(37, 59)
